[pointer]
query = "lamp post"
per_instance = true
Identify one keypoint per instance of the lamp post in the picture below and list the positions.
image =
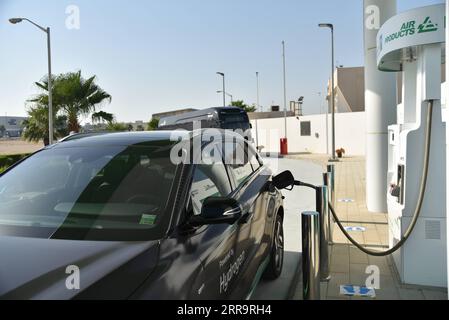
(285, 90)
(284, 141)
(327, 123)
(50, 95)
(331, 26)
(224, 88)
(229, 95)
(258, 106)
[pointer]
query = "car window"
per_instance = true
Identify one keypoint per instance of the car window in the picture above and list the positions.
(236, 157)
(88, 193)
(210, 179)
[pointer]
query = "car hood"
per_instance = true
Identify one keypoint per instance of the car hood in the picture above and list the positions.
(37, 268)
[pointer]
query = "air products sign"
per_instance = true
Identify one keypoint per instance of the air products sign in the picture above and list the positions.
(409, 29)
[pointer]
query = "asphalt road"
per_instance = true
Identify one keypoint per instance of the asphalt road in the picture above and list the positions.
(296, 201)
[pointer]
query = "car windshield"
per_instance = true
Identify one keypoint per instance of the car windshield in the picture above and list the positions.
(89, 193)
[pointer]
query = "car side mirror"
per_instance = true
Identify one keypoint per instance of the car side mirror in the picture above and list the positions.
(284, 180)
(218, 210)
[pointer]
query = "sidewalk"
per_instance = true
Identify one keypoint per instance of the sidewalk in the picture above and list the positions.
(348, 264)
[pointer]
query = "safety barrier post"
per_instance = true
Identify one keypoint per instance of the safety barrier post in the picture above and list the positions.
(331, 187)
(322, 207)
(311, 255)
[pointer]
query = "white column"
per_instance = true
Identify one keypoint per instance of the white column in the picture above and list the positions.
(380, 105)
(446, 95)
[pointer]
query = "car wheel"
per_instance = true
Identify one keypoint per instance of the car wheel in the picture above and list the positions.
(274, 268)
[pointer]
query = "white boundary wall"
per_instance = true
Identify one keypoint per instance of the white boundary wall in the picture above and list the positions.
(350, 133)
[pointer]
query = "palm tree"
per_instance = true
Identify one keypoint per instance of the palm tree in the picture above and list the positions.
(36, 126)
(101, 116)
(74, 96)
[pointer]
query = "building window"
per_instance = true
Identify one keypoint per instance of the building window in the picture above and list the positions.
(305, 129)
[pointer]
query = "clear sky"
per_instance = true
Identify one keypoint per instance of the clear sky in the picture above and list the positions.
(154, 56)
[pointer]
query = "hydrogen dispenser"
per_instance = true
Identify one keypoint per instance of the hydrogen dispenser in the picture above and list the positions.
(412, 43)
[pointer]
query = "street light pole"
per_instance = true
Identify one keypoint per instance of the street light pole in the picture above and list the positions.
(331, 26)
(258, 106)
(224, 88)
(327, 122)
(285, 90)
(50, 93)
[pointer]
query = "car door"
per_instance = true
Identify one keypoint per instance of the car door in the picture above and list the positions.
(218, 242)
(249, 184)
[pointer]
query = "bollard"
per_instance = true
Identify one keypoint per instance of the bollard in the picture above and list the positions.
(331, 186)
(311, 255)
(322, 207)
(327, 183)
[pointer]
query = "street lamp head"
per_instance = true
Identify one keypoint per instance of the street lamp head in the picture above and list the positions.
(221, 74)
(15, 20)
(326, 25)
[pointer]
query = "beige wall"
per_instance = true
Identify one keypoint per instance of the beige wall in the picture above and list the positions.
(350, 133)
(349, 90)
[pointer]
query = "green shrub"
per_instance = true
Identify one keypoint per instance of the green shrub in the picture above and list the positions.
(8, 160)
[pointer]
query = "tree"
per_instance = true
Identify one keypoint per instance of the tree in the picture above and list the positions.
(153, 124)
(73, 95)
(2, 130)
(117, 127)
(242, 105)
(101, 116)
(36, 126)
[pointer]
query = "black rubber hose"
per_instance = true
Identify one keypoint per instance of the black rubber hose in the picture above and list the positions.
(304, 184)
(422, 192)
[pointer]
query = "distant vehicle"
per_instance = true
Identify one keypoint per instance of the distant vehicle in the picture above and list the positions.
(136, 225)
(232, 118)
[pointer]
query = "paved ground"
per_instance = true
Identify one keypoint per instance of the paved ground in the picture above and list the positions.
(296, 201)
(17, 146)
(348, 264)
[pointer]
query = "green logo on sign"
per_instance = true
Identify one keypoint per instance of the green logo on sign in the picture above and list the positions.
(427, 26)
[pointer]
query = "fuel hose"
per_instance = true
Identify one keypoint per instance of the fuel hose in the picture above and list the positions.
(422, 191)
